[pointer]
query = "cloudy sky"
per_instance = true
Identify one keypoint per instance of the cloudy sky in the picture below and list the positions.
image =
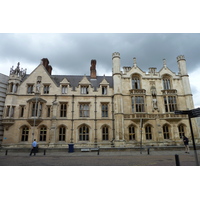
(84, 30)
(71, 34)
(71, 53)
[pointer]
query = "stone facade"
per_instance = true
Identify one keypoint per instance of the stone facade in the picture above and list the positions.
(127, 109)
(3, 89)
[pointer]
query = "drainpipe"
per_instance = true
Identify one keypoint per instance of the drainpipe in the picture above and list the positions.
(72, 129)
(113, 122)
(95, 121)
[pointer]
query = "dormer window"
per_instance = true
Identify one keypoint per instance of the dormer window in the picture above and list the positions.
(84, 89)
(104, 90)
(64, 89)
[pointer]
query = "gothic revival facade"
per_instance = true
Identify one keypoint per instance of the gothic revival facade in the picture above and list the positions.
(121, 110)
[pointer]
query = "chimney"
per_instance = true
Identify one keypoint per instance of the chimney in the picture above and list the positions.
(93, 69)
(48, 67)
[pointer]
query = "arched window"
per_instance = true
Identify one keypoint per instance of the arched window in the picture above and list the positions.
(166, 132)
(105, 133)
(166, 83)
(136, 82)
(25, 132)
(131, 132)
(43, 133)
(62, 133)
(148, 132)
(181, 130)
(84, 133)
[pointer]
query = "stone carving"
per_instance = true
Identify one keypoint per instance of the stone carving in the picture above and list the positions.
(17, 71)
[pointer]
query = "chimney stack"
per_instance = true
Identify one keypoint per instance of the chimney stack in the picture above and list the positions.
(48, 67)
(93, 69)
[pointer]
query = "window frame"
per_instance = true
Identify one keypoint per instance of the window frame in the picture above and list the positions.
(132, 134)
(105, 133)
(43, 134)
(166, 132)
(148, 132)
(84, 133)
(84, 110)
(24, 134)
(104, 109)
(62, 133)
(138, 104)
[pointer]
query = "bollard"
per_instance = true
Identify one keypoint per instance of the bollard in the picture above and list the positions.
(44, 152)
(98, 152)
(6, 153)
(177, 160)
(148, 151)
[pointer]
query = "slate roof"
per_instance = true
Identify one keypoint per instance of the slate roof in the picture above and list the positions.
(75, 79)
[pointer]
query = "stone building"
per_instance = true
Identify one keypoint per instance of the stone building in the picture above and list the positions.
(123, 110)
(3, 89)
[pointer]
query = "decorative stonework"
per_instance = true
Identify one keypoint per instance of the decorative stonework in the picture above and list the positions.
(181, 57)
(116, 54)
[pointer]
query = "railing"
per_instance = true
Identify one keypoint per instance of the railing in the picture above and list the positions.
(154, 116)
(137, 91)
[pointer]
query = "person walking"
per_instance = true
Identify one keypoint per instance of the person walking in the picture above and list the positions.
(34, 147)
(186, 143)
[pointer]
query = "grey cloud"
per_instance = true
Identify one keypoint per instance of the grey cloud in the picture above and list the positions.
(72, 53)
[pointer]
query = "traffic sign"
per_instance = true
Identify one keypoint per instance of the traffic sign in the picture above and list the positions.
(181, 112)
(195, 113)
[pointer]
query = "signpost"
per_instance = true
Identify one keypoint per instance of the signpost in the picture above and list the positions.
(191, 114)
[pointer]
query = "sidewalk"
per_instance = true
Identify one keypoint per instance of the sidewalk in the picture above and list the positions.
(105, 158)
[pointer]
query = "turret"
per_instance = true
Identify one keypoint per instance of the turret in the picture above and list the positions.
(116, 63)
(185, 81)
(182, 65)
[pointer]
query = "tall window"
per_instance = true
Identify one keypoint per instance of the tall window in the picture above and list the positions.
(84, 110)
(30, 88)
(148, 132)
(25, 132)
(181, 130)
(135, 82)
(104, 109)
(48, 111)
(63, 110)
(166, 132)
(10, 110)
(43, 133)
(131, 132)
(21, 111)
(84, 133)
(84, 90)
(105, 133)
(170, 103)
(46, 89)
(104, 90)
(36, 109)
(64, 89)
(138, 104)
(62, 133)
(166, 83)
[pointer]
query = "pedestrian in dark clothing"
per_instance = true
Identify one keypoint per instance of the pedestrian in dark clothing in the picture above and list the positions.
(186, 143)
(34, 147)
